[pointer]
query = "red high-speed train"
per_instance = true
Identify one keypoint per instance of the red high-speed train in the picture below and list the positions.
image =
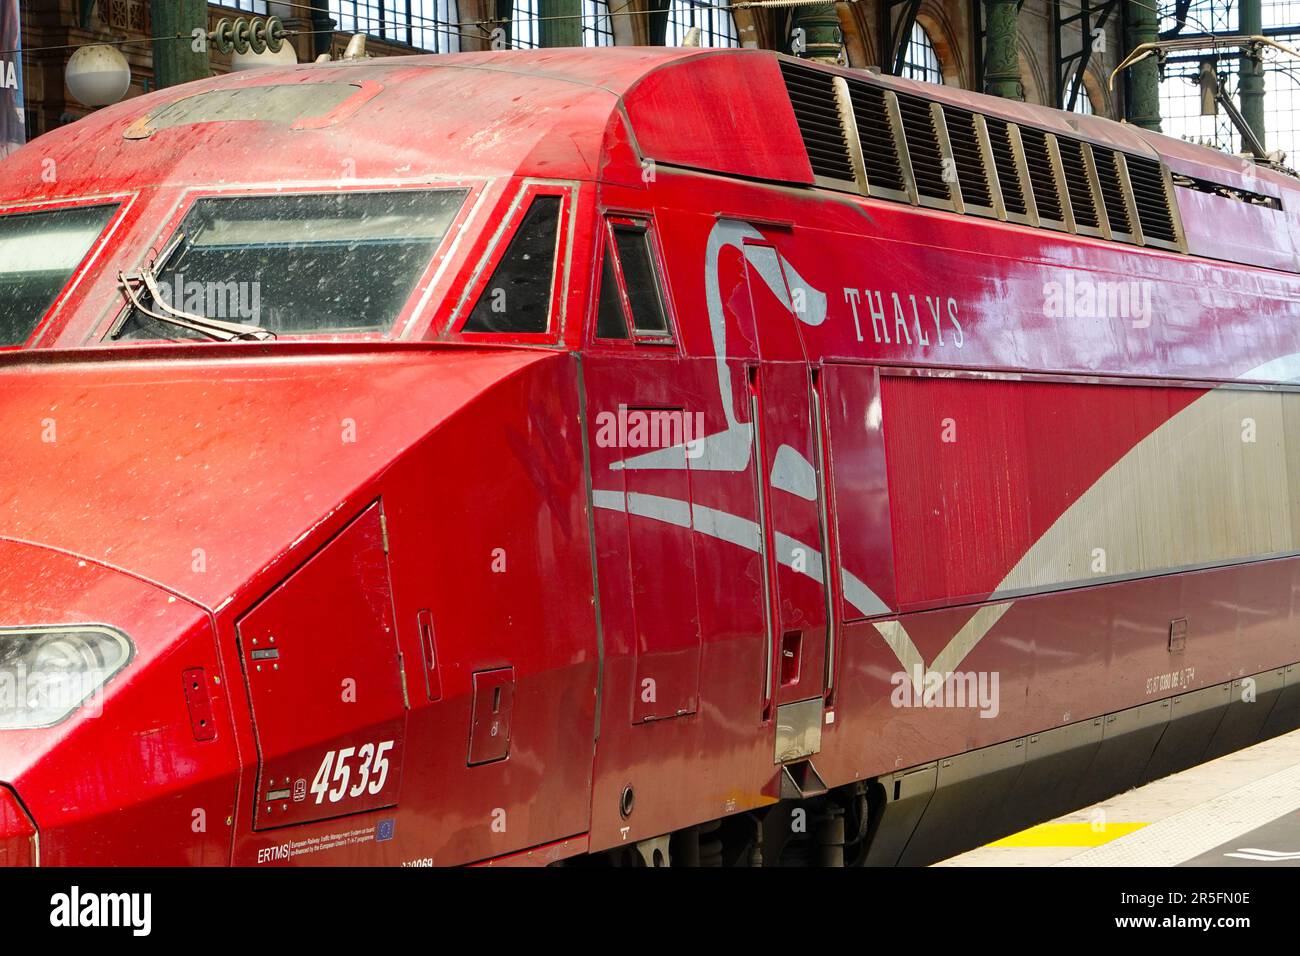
(634, 456)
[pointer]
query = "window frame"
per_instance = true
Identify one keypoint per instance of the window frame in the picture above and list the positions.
(925, 42)
(594, 32)
(495, 252)
(712, 18)
(123, 202)
(532, 18)
(607, 246)
(413, 309)
(406, 22)
(256, 7)
(605, 255)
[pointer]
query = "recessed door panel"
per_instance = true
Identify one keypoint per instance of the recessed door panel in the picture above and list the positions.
(661, 550)
(788, 459)
(860, 487)
(324, 679)
(798, 555)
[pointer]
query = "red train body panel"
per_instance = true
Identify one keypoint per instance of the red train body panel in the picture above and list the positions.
(683, 544)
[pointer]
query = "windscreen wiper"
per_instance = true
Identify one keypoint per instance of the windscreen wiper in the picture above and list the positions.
(215, 329)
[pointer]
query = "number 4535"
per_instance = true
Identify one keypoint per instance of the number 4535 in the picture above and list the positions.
(336, 769)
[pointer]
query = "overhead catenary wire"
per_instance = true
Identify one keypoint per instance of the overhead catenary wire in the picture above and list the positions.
(481, 28)
(740, 5)
(413, 21)
(455, 28)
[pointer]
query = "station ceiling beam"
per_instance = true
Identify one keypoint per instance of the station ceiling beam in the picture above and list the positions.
(1089, 17)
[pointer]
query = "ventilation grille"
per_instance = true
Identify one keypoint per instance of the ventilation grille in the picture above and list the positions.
(965, 141)
(926, 175)
(1038, 159)
(812, 94)
(1004, 158)
(1076, 183)
(1112, 191)
(1151, 199)
(923, 147)
(879, 152)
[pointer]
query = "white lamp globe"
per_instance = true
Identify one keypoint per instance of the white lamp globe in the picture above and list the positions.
(98, 75)
(252, 61)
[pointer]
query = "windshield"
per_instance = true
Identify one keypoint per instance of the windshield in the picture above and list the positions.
(39, 252)
(300, 263)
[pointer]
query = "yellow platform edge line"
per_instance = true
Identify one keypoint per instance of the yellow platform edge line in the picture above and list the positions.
(1069, 834)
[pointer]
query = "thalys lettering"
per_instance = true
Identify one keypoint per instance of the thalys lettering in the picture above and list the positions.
(910, 318)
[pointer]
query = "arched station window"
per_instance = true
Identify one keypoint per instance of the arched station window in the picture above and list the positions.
(1082, 101)
(921, 62)
(717, 26)
(597, 24)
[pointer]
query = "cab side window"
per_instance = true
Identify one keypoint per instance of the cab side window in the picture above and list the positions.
(630, 288)
(518, 296)
(643, 296)
(611, 323)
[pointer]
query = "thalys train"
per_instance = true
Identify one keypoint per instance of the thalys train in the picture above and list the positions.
(633, 457)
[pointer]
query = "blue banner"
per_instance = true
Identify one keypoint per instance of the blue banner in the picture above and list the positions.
(13, 131)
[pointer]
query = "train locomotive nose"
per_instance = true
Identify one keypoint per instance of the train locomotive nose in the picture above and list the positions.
(84, 749)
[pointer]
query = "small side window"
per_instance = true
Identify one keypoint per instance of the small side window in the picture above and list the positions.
(639, 278)
(518, 296)
(611, 323)
(39, 254)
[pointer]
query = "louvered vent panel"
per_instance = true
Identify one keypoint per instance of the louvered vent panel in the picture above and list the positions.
(965, 142)
(1041, 178)
(1152, 201)
(1004, 157)
(812, 95)
(1112, 190)
(879, 152)
(923, 147)
(1076, 181)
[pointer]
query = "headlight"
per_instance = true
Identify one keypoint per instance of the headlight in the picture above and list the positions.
(48, 672)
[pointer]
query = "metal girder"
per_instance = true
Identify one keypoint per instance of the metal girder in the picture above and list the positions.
(1089, 15)
(1250, 136)
(1181, 9)
(893, 37)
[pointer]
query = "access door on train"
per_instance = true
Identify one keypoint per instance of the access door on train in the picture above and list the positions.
(640, 467)
(787, 436)
(324, 677)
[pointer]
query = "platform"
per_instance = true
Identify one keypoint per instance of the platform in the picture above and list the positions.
(1239, 810)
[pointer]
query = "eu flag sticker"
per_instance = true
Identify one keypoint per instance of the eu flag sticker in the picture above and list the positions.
(384, 830)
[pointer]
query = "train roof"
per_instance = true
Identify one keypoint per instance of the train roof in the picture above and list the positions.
(554, 113)
(541, 111)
